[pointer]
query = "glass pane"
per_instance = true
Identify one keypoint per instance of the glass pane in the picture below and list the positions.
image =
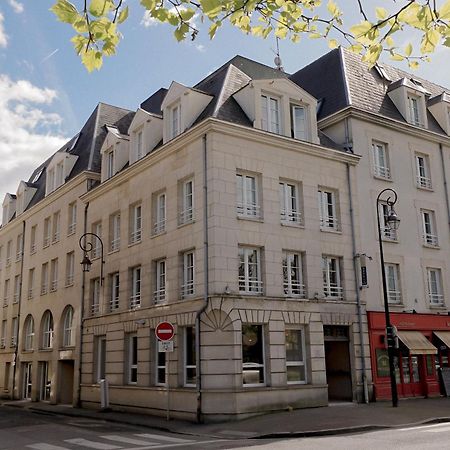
(415, 369)
(294, 350)
(191, 375)
(405, 367)
(295, 373)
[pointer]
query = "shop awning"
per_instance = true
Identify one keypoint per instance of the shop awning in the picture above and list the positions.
(417, 343)
(444, 336)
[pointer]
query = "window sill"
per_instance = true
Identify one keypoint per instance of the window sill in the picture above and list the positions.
(46, 350)
(69, 285)
(117, 250)
(379, 177)
(46, 246)
(251, 218)
(424, 188)
(29, 351)
(251, 294)
(434, 247)
(181, 225)
(292, 224)
(438, 307)
(70, 234)
(158, 234)
(331, 230)
(393, 241)
(132, 244)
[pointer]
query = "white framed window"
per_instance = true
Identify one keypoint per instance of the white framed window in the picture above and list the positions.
(293, 284)
(175, 121)
(47, 330)
(110, 164)
(132, 359)
(434, 284)
(8, 253)
(33, 239)
(250, 279)
(331, 273)
(16, 289)
(56, 226)
(160, 281)
(3, 338)
(299, 122)
(59, 174)
(187, 206)
(29, 333)
(139, 145)
(290, 203)
(393, 283)
(160, 366)
(100, 358)
(68, 328)
(51, 180)
(14, 331)
(429, 228)
(47, 232)
(270, 114)
(328, 209)
(387, 233)
(160, 213)
(114, 283)
(19, 247)
(423, 175)
(31, 281)
(1, 257)
(190, 363)
(135, 224)
(381, 160)
(247, 196)
(295, 357)
(414, 110)
(44, 279)
(6, 293)
(96, 245)
(72, 218)
(115, 232)
(95, 296)
(188, 281)
(53, 275)
(253, 355)
(70, 268)
(135, 299)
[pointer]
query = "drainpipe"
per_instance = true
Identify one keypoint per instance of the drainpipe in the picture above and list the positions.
(444, 174)
(16, 349)
(358, 297)
(80, 338)
(198, 359)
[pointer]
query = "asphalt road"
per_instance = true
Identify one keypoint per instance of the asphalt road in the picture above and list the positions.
(26, 429)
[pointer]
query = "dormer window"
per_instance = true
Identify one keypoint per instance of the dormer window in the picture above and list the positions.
(59, 174)
(51, 179)
(58, 170)
(110, 164)
(139, 152)
(270, 114)
(298, 119)
(175, 121)
(413, 110)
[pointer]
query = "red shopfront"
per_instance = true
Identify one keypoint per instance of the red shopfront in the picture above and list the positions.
(424, 346)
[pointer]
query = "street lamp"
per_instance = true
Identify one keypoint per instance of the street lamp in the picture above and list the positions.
(87, 246)
(393, 222)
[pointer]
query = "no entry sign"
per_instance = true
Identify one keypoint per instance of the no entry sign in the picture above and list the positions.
(164, 331)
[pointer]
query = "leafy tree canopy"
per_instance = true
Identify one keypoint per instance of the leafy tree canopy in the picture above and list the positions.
(96, 24)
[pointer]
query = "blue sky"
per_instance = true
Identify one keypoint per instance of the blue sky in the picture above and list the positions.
(46, 94)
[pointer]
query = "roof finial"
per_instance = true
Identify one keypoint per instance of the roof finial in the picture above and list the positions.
(277, 59)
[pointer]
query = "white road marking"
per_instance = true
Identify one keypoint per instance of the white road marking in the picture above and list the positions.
(160, 437)
(182, 445)
(422, 427)
(126, 440)
(44, 446)
(91, 444)
(444, 427)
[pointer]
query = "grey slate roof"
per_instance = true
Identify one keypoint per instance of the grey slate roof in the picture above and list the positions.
(153, 103)
(342, 79)
(87, 145)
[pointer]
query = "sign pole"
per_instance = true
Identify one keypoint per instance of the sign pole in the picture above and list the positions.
(167, 386)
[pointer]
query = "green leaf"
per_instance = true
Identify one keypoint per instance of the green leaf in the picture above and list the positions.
(413, 64)
(373, 54)
(356, 48)
(109, 48)
(361, 29)
(408, 49)
(149, 4)
(447, 42)
(281, 32)
(65, 11)
(92, 59)
(80, 43)
(333, 43)
(187, 14)
(100, 7)
(396, 57)
(444, 11)
(123, 15)
(429, 41)
(211, 8)
(381, 13)
(212, 30)
(80, 25)
(333, 9)
(314, 35)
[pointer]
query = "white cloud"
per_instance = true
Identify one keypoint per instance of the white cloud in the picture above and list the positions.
(18, 7)
(3, 36)
(201, 48)
(28, 133)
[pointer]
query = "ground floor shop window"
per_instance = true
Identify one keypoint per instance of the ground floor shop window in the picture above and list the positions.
(295, 357)
(253, 373)
(190, 368)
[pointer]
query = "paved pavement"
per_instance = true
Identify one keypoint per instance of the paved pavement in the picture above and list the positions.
(334, 419)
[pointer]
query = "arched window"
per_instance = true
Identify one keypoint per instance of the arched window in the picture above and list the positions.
(29, 333)
(47, 330)
(68, 332)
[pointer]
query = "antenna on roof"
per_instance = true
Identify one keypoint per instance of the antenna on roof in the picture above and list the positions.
(277, 59)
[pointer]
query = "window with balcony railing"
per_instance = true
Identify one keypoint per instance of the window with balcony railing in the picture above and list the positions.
(380, 160)
(160, 284)
(135, 224)
(95, 296)
(387, 233)
(331, 273)
(56, 227)
(429, 228)
(293, 275)
(187, 202)
(435, 292)
(96, 245)
(250, 277)
(115, 232)
(328, 210)
(247, 204)
(135, 298)
(289, 203)
(114, 291)
(423, 176)
(159, 209)
(187, 285)
(394, 292)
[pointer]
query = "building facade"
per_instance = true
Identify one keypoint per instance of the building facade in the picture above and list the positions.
(240, 210)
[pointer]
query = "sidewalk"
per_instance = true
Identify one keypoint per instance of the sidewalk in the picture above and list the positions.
(334, 419)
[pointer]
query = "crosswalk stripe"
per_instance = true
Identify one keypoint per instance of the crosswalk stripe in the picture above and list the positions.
(160, 437)
(446, 427)
(91, 444)
(125, 440)
(44, 446)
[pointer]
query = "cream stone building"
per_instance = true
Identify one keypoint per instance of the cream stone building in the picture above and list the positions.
(241, 210)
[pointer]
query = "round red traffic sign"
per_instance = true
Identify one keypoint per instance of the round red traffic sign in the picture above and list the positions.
(164, 331)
